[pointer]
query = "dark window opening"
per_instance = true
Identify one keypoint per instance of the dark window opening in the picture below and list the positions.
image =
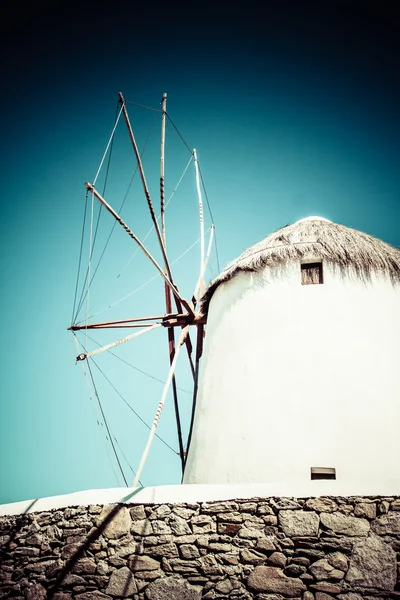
(323, 473)
(311, 273)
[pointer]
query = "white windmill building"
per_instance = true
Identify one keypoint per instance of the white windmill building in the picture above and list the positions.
(301, 364)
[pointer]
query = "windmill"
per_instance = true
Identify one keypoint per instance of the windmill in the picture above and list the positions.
(299, 370)
(180, 313)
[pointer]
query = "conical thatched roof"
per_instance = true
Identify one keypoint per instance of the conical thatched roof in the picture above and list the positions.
(342, 247)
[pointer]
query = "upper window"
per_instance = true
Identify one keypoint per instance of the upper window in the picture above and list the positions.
(311, 273)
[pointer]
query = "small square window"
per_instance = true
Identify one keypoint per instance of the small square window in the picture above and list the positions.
(311, 273)
(323, 473)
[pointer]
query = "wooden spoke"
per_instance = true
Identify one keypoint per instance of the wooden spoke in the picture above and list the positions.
(129, 231)
(178, 299)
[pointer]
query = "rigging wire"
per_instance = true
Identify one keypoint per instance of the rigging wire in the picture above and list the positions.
(143, 284)
(120, 209)
(110, 141)
(135, 368)
(131, 408)
(152, 227)
(204, 188)
(109, 145)
(89, 262)
(212, 218)
(77, 343)
(80, 258)
(179, 133)
(120, 395)
(106, 424)
(89, 279)
(142, 106)
(206, 195)
(83, 296)
(128, 463)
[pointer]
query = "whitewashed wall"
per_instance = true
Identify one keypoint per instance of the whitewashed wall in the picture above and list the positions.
(298, 376)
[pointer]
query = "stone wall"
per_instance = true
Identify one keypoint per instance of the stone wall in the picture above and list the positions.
(263, 548)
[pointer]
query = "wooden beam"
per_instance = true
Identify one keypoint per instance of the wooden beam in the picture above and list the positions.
(178, 299)
(167, 320)
(129, 231)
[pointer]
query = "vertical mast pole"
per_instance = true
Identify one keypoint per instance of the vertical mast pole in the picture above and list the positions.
(201, 219)
(168, 299)
(199, 352)
(162, 196)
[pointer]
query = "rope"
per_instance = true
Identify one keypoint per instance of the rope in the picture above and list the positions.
(152, 227)
(127, 461)
(82, 299)
(131, 408)
(106, 424)
(144, 372)
(179, 182)
(108, 145)
(143, 106)
(94, 410)
(133, 366)
(143, 284)
(202, 181)
(179, 133)
(206, 195)
(211, 216)
(80, 260)
(216, 252)
(89, 261)
(111, 141)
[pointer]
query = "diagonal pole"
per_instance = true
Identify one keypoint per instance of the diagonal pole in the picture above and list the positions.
(160, 406)
(129, 231)
(150, 203)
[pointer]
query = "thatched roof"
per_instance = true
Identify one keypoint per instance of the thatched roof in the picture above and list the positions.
(344, 248)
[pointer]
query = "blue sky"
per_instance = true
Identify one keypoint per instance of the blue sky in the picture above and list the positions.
(293, 112)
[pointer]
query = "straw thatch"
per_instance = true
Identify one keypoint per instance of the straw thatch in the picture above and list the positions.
(345, 249)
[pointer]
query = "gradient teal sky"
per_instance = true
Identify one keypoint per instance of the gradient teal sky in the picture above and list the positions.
(292, 113)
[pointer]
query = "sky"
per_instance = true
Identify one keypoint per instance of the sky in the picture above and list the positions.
(293, 111)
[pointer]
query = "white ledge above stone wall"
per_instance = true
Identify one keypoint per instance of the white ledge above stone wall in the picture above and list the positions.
(188, 493)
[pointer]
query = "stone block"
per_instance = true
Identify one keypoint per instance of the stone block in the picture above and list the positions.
(345, 525)
(298, 522)
(273, 580)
